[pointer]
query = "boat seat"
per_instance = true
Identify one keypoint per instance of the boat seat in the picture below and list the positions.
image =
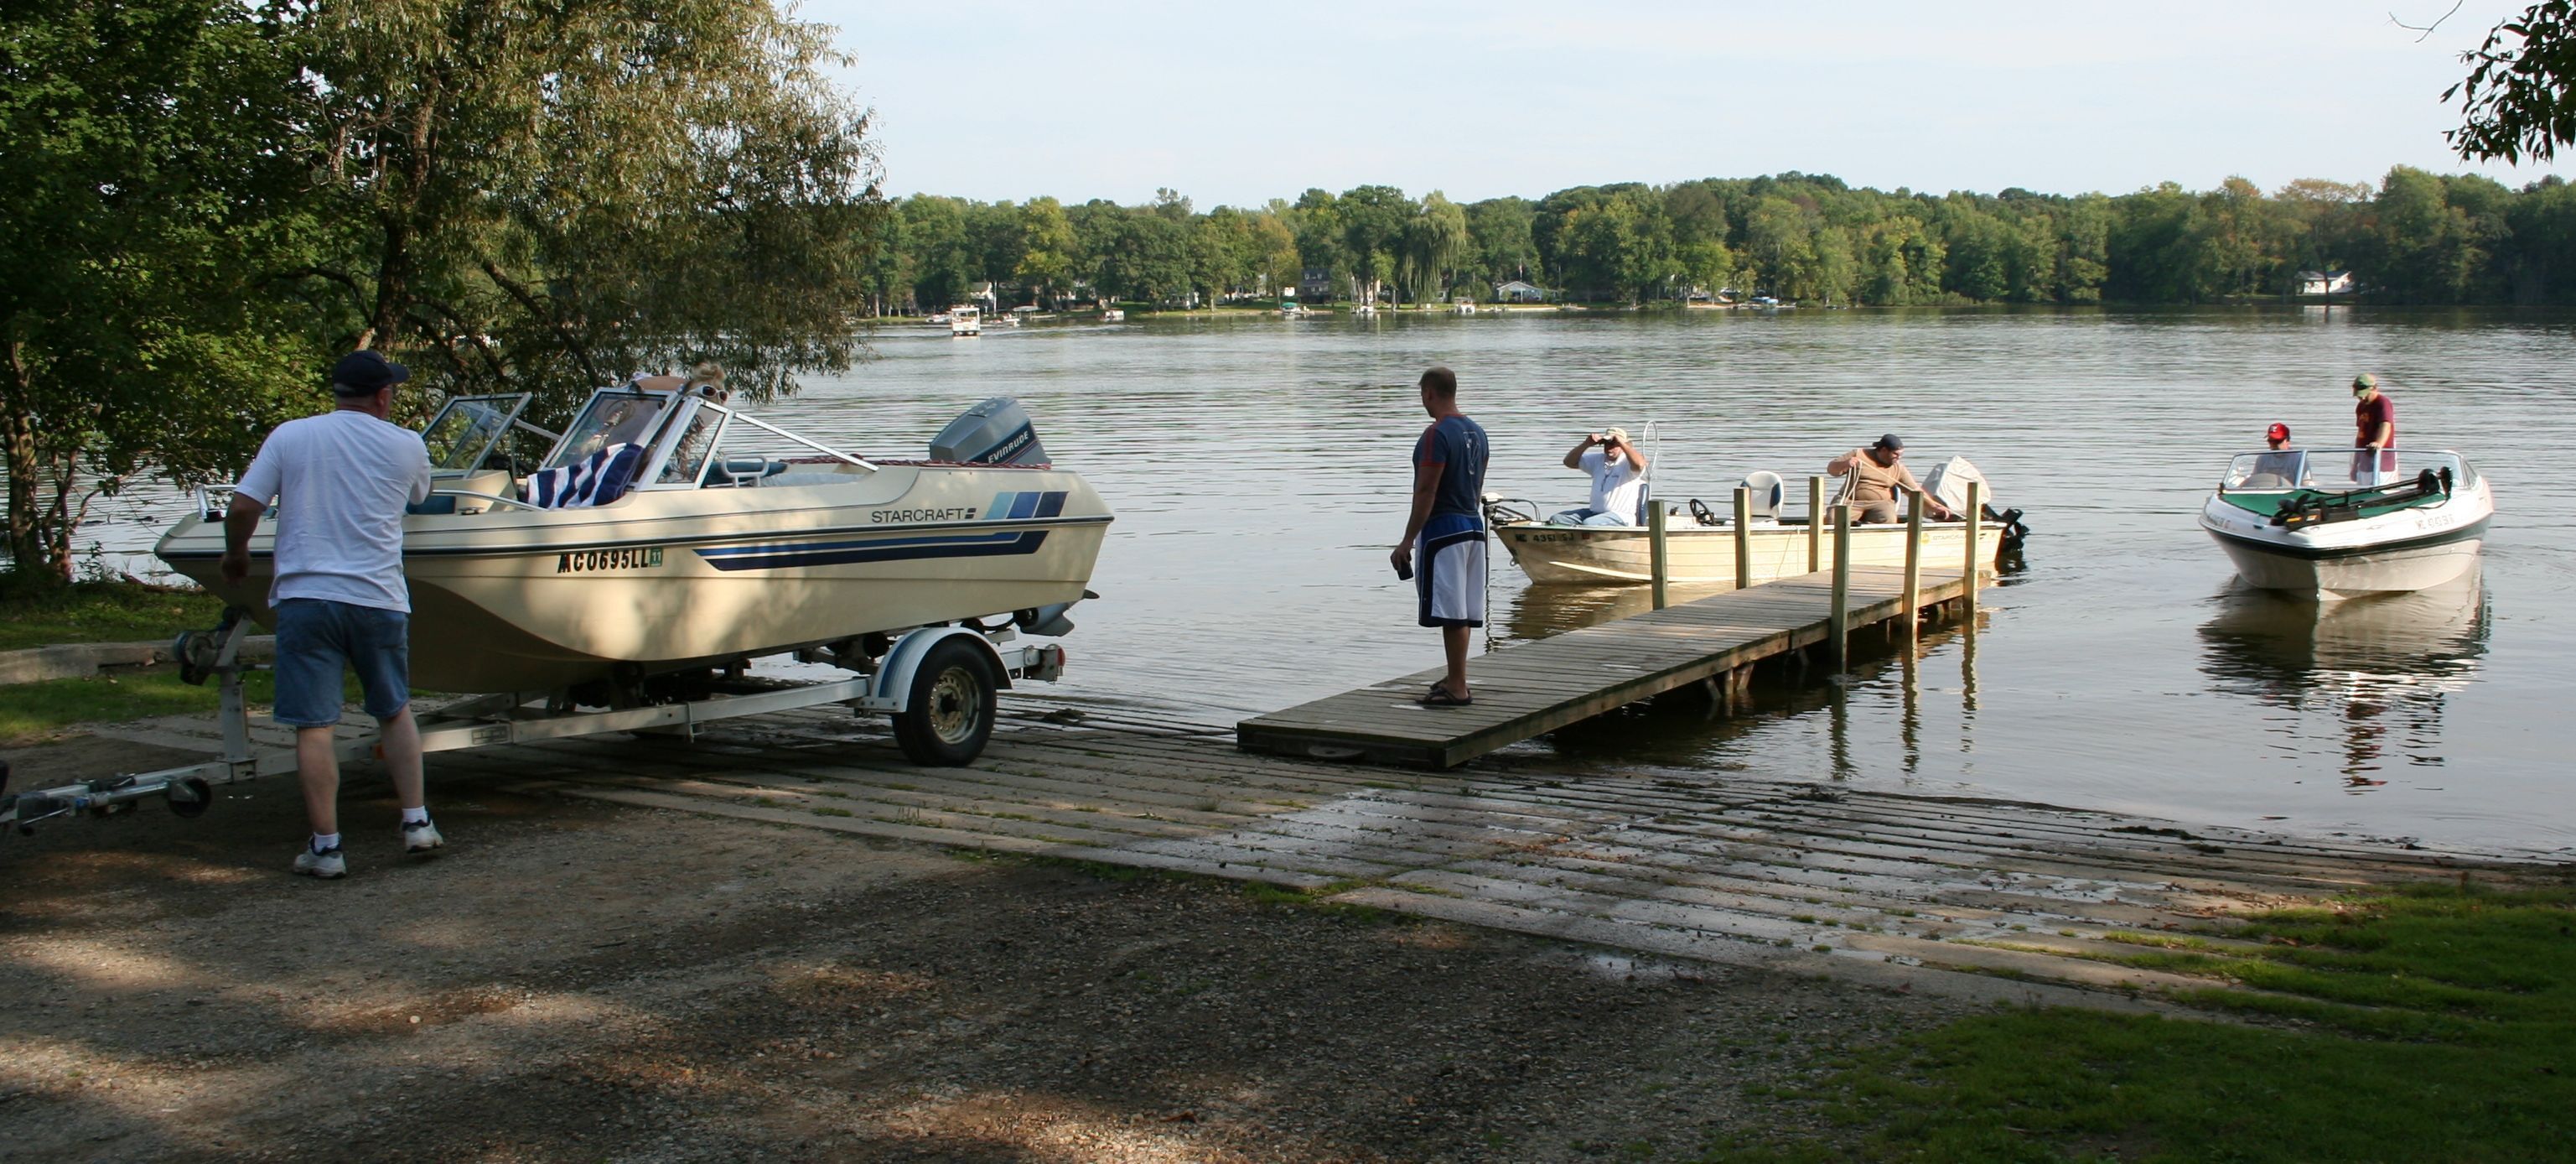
(741, 471)
(1766, 490)
(435, 503)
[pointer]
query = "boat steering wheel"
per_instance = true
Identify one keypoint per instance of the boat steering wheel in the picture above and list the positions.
(1699, 512)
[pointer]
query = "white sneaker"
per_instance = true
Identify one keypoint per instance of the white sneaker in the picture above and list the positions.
(325, 864)
(421, 837)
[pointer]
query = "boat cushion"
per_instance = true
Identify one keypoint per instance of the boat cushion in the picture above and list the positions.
(597, 479)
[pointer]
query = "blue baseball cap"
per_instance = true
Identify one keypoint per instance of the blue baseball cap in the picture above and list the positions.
(365, 372)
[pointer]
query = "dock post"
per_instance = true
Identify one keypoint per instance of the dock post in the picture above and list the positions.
(1655, 550)
(1913, 561)
(1969, 578)
(1815, 524)
(1841, 618)
(1743, 537)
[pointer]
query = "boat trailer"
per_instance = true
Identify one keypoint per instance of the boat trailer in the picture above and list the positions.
(937, 683)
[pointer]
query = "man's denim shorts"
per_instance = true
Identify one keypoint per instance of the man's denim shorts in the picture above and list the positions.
(318, 638)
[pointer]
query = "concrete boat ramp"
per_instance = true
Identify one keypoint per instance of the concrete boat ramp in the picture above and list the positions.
(1974, 898)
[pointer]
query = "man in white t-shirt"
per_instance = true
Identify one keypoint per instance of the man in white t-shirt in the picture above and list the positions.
(1618, 472)
(341, 481)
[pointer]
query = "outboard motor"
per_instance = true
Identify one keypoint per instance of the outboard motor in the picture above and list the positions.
(996, 432)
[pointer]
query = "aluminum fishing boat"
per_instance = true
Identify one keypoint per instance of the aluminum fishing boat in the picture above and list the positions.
(2339, 523)
(667, 531)
(1700, 549)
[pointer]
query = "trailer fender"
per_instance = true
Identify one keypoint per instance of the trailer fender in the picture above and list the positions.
(890, 689)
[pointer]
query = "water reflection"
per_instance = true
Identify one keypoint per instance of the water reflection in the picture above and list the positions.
(2380, 670)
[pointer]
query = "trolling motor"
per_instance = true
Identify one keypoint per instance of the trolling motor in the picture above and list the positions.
(2008, 521)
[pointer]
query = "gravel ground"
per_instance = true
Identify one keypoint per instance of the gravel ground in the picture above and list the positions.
(571, 980)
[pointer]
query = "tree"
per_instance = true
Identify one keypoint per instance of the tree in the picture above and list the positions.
(1372, 222)
(146, 196)
(1050, 250)
(1435, 241)
(2514, 103)
(545, 197)
(1500, 232)
(944, 259)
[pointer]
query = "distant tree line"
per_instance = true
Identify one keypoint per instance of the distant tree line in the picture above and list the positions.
(2416, 237)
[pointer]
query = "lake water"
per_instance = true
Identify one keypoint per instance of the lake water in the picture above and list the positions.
(1258, 469)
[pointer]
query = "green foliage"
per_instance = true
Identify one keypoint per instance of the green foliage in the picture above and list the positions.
(2428, 1024)
(97, 612)
(34, 711)
(149, 193)
(2514, 102)
(541, 197)
(207, 199)
(2416, 237)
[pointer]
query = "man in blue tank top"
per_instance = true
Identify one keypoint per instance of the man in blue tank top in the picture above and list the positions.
(1447, 524)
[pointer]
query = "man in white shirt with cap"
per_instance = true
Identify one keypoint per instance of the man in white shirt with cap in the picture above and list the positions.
(1618, 471)
(341, 481)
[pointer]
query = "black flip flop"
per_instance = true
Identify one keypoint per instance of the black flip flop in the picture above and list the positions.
(1439, 697)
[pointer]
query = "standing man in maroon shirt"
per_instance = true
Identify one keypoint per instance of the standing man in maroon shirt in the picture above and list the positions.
(2374, 420)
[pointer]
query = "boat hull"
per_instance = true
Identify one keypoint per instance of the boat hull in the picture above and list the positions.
(2413, 549)
(1705, 555)
(521, 600)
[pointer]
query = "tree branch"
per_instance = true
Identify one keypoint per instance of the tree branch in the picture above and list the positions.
(528, 300)
(2427, 30)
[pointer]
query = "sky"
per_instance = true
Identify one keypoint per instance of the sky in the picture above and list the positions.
(1240, 103)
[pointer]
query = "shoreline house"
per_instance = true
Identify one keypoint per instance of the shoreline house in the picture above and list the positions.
(2326, 283)
(1519, 291)
(1315, 284)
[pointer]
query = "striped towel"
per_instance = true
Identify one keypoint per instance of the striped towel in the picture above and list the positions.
(595, 480)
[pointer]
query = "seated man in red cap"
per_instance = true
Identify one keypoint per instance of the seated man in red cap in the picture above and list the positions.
(2282, 468)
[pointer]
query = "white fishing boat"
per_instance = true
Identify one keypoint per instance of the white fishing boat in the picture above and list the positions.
(965, 321)
(1700, 548)
(1112, 315)
(708, 538)
(2338, 523)
(1293, 310)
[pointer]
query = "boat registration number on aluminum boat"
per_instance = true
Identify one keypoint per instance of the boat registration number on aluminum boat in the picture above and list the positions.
(622, 558)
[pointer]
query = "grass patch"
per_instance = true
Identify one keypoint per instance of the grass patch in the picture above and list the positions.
(31, 711)
(99, 612)
(2424, 1023)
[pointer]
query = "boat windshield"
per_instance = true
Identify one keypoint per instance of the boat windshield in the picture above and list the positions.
(466, 430)
(2337, 470)
(614, 416)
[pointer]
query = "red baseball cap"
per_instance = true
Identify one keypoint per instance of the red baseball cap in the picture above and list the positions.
(2278, 432)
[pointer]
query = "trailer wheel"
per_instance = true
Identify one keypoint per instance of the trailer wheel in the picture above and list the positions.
(950, 714)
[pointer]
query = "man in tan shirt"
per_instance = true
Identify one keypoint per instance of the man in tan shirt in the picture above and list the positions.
(1876, 473)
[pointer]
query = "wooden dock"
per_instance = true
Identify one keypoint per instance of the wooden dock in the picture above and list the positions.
(1529, 689)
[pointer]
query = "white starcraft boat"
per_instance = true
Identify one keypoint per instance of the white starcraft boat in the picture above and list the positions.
(2334, 524)
(707, 538)
(658, 548)
(1701, 551)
